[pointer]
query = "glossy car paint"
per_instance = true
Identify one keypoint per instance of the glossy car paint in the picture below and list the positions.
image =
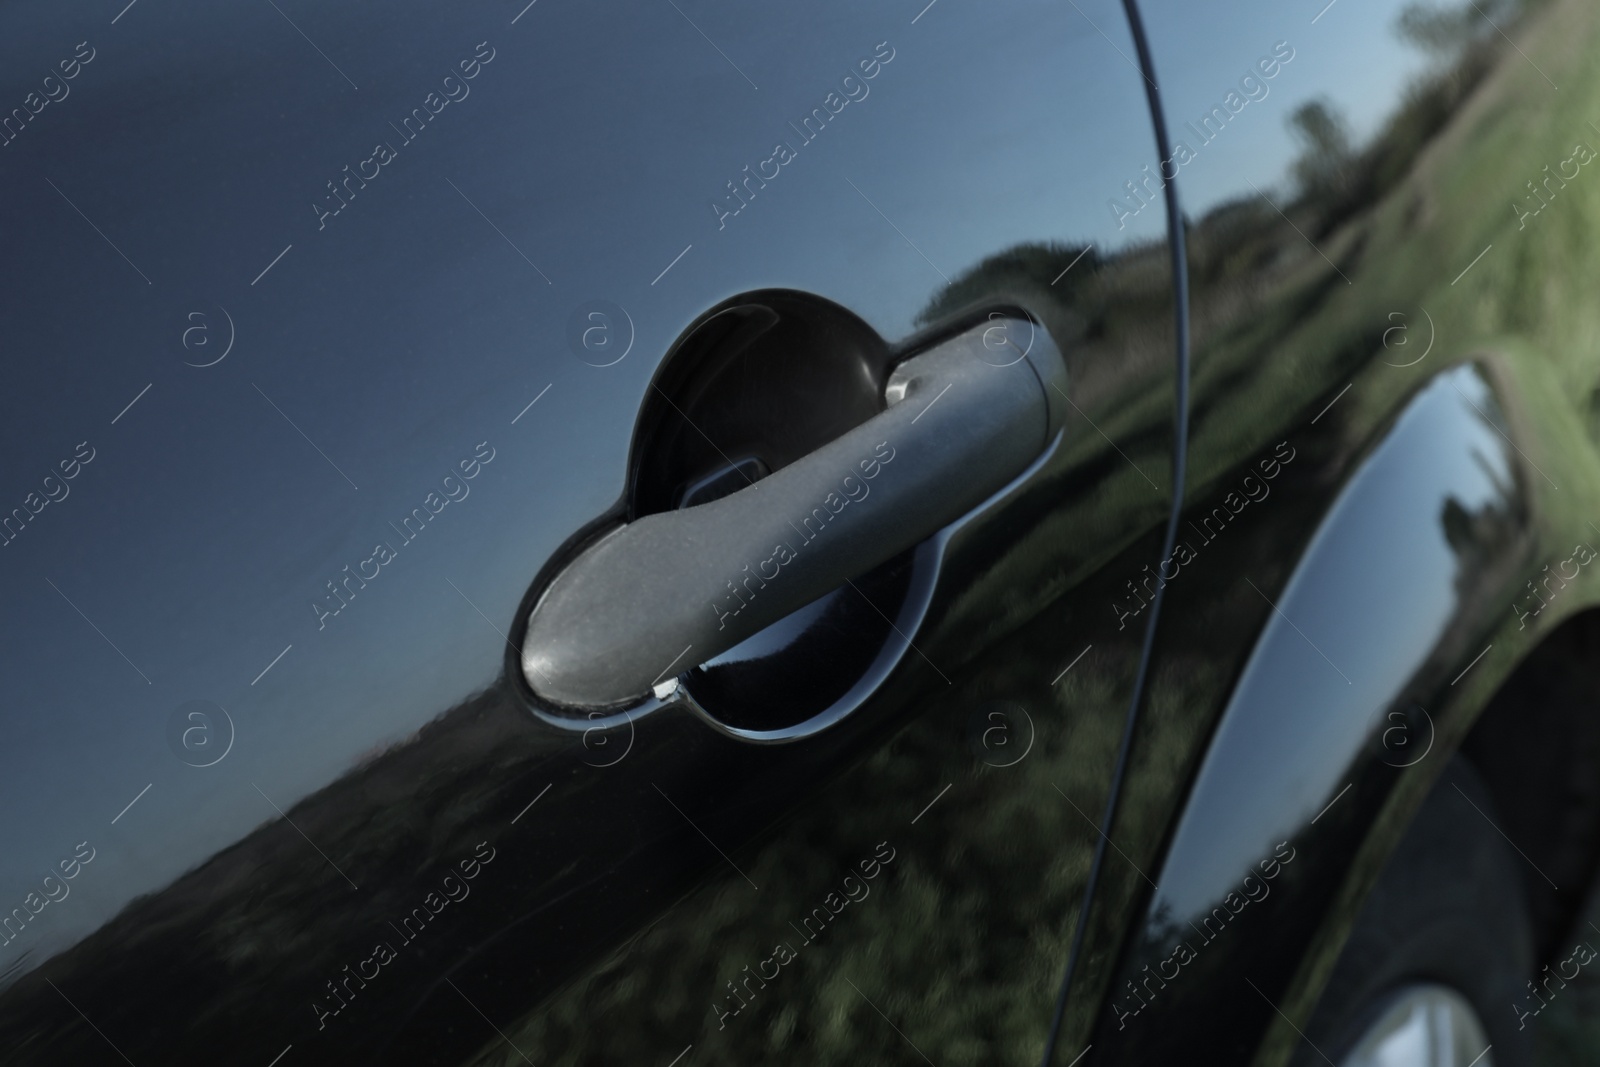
(334, 367)
(1331, 723)
(626, 883)
(1332, 288)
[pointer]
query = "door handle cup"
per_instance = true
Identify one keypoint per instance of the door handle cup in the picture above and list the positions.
(653, 598)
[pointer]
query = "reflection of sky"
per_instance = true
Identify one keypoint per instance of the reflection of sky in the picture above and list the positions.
(1373, 596)
(1202, 50)
(408, 330)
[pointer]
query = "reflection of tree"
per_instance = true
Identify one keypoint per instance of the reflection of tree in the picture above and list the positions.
(1445, 32)
(1486, 540)
(1264, 300)
(1465, 48)
(1325, 143)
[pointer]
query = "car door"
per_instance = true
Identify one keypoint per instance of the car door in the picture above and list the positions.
(339, 335)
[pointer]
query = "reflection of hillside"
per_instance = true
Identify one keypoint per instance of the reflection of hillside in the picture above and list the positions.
(961, 939)
(1273, 327)
(964, 933)
(1379, 168)
(1278, 332)
(1110, 314)
(1488, 541)
(1273, 324)
(1271, 321)
(268, 918)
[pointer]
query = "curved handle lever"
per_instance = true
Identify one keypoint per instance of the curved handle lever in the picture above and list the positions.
(964, 419)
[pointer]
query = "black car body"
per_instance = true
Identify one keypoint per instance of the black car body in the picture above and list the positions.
(335, 335)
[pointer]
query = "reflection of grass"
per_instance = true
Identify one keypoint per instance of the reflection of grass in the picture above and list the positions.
(963, 978)
(1275, 328)
(1275, 347)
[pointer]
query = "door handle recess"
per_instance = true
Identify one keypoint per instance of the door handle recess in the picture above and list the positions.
(963, 420)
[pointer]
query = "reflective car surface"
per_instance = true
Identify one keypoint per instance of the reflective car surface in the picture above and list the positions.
(1183, 649)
